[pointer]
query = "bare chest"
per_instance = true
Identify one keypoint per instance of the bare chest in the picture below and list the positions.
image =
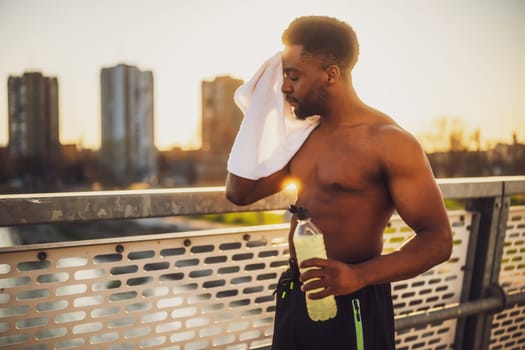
(336, 165)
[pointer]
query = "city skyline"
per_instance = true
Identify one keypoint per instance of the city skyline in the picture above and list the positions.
(419, 61)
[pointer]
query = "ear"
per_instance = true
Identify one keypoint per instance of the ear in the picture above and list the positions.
(334, 73)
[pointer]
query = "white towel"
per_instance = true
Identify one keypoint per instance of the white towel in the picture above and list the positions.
(269, 134)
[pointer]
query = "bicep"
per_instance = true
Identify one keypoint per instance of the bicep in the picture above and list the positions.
(413, 188)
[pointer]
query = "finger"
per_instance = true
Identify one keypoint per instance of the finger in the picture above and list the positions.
(322, 293)
(314, 262)
(312, 273)
(313, 284)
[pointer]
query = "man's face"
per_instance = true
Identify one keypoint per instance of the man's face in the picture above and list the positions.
(303, 83)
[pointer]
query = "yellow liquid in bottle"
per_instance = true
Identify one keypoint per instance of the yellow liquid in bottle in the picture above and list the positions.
(312, 246)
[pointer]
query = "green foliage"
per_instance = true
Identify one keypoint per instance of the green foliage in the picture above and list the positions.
(248, 218)
(518, 199)
(454, 204)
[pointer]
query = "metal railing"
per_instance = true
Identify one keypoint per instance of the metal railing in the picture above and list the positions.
(214, 288)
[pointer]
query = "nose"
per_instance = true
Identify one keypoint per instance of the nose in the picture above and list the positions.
(286, 87)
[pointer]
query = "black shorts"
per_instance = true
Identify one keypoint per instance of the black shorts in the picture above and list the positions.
(370, 307)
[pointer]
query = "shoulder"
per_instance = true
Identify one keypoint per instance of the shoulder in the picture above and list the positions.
(391, 137)
(385, 132)
(395, 146)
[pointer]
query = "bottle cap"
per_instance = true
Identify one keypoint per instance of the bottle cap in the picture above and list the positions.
(302, 213)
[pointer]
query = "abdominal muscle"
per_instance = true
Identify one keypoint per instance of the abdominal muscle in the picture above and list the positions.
(352, 226)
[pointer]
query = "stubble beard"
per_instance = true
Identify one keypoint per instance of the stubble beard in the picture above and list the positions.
(298, 114)
(317, 107)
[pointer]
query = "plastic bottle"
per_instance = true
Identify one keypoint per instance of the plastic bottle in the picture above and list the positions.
(309, 243)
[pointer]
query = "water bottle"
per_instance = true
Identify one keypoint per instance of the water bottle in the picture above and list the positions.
(309, 243)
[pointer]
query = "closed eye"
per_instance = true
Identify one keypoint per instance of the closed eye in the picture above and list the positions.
(291, 74)
(291, 78)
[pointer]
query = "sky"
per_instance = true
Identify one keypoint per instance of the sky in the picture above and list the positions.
(419, 60)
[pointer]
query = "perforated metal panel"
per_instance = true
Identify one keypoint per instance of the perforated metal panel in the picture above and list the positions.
(212, 290)
(438, 336)
(508, 327)
(207, 289)
(435, 288)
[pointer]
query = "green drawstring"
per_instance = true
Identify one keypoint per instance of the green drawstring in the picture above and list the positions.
(358, 324)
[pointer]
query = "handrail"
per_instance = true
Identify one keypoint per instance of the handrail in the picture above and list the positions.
(36, 208)
(464, 309)
(125, 204)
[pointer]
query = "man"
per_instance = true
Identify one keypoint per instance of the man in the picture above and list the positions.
(354, 170)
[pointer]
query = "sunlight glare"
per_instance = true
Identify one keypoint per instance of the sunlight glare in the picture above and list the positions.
(291, 185)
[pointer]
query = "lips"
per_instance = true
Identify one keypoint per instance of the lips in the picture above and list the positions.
(292, 101)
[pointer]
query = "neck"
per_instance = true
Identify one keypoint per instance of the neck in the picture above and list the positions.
(344, 105)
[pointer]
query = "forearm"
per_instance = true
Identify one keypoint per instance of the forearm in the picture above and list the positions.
(238, 189)
(242, 191)
(422, 252)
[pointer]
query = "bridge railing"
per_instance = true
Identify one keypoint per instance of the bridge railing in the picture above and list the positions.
(214, 288)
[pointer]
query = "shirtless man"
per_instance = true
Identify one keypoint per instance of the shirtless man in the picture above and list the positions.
(353, 171)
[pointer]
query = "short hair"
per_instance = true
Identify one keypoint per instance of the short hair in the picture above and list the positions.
(334, 41)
